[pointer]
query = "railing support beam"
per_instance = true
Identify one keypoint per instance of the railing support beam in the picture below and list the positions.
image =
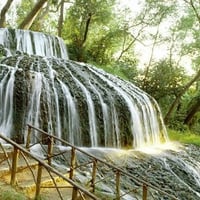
(50, 149)
(73, 162)
(38, 183)
(14, 166)
(94, 171)
(28, 138)
(144, 193)
(74, 193)
(118, 171)
(117, 185)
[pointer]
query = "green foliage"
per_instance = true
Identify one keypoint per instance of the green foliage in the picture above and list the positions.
(102, 48)
(159, 9)
(123, 72)
(185, 137)
(164, 81)
(94, 33)
(45, 22)
(187, 116)
(2, 52)
(11, 194)
(87, 19)
(192, 118)
(176, 122)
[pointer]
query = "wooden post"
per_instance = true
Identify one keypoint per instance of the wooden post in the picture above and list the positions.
(74, 193)
(28, 138)
(94, 171)
(50, 149)
(73, 162)
(38, 182)
(117, 185)
(144, 189)
(14, 166)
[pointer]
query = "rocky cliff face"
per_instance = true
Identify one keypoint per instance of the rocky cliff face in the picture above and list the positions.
(77, 102)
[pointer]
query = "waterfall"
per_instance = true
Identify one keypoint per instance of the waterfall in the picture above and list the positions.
(74, 101)
(91, 113)
(72, 124)
(32, 43)
(34, 103)
(6, 101)
(144, 117)
(6, 98)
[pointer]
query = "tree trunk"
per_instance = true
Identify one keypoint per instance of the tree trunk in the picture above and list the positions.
(3, 13)
(60, 20)
(193, 110)
(28, 21)
(176, 101)
(87, 28)
(80, 56)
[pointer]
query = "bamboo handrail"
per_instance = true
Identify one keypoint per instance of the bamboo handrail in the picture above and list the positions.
(142, 183)
(41, 163)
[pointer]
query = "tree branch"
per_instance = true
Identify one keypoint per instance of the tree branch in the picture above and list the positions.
(191, 3)
(28, 21)
(185, 88)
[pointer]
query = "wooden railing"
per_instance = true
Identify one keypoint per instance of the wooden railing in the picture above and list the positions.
(93, 163)
(77, 190)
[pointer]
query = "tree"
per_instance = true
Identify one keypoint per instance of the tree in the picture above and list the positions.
(182, 41)
(83, 19)
(29, 19)
(3, 13)
(189, 22)
(182, 92)
(61, 18)
(193, 109)
(164, 82)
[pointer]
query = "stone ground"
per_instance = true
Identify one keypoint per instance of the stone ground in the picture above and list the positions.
(175, 171)
(25, 188)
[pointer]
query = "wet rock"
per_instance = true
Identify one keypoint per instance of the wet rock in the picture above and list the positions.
(162, 171)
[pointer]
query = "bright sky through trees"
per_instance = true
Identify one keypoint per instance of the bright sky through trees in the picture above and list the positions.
(143, 49)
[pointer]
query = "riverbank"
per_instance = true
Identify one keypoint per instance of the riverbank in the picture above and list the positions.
(185, 137)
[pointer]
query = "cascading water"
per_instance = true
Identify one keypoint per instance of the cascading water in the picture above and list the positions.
(31, 43)
(75, 101)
